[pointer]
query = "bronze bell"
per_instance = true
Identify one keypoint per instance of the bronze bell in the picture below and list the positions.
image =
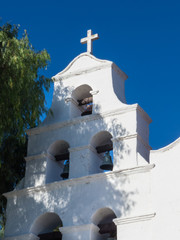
(107, 162)
(65, 173)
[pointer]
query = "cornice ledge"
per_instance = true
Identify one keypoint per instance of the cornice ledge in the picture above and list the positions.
(39, 156)
(72, 181)
(143, 142)
(125, 137)
(130, 136)
(120, 221)
(144, 114)
(119, 71)
(53, 126)
(35, 156)
(168, 147)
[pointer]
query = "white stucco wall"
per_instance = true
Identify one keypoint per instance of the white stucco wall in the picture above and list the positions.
(141, 194)
(130, 149)
(165, 191)
(104, 77)
(126, 192)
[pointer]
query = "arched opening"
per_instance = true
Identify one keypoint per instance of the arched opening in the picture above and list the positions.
(104, 146)
(83, 101)
(103, 218)
(58, 161)
(47, 226)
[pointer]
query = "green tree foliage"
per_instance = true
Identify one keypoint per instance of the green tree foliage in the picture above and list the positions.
(21, 102)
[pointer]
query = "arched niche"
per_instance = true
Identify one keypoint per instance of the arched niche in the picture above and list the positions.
(103, 219)
(47, 226)
(82, 101)
(104, 147)
(58, 157)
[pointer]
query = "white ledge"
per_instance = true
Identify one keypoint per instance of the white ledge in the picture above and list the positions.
(87, 118)
(89, 146)
(36, 156)
(120, 221)
(89, 178)
(130, 136)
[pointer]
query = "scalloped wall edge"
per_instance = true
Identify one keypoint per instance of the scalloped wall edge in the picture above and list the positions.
(105, 63)
(166, 148)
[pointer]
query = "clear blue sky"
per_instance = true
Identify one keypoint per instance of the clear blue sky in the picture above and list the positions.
(141, 37)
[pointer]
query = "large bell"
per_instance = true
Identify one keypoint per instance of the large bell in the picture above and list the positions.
(107, 162)
(65, 173)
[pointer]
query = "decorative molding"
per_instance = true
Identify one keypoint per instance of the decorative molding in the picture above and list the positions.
(120, 221)
(50, 156)
(87, 118)
(39, 156)
(135, 135)
(80, 180)
(143, 142)
(119, 71)
(121, 138)
(36, 156)
(166, 148)
(72, 100)
(144, 114)
(90, 147)
(94, 92)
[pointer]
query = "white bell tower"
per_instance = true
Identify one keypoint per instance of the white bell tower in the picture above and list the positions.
(90, 118)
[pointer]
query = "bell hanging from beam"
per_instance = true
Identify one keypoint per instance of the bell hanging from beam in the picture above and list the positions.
(65, 173)
(107, 162)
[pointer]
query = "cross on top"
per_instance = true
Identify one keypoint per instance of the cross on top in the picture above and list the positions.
(89, 39)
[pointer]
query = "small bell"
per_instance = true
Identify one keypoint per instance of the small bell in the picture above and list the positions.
(88, 110)
(65, 173)
(107, 162)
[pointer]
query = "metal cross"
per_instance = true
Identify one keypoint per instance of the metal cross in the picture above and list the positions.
(89, 39)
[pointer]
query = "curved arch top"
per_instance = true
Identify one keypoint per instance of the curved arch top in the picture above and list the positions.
(101, 138)
(46, 222)
(103, 215)
(59, 146)
(85, 62)
(87, 59)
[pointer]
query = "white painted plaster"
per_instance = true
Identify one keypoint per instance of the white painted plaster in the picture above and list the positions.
(141, 195)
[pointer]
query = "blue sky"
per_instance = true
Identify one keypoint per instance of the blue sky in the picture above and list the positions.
(141, 37)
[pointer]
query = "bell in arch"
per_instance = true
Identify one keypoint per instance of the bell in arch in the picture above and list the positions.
(65, 173)
(107, 162)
